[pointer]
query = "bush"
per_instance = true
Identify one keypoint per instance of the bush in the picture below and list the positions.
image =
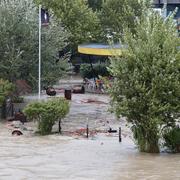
(86, 70)
(172, 139)
(47, 113)
(6, 88)
(17, 99)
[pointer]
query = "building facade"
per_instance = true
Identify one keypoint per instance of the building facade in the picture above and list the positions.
(171, 6)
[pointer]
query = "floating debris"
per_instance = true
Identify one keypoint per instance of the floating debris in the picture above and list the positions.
(93, 101)
(17, 132)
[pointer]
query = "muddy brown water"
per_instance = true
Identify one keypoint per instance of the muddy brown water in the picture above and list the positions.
(100, 157)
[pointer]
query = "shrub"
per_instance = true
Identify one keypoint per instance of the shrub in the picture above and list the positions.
(86, 70)
(17, 99)
(6, 88)
(172, 139)
(47, 113)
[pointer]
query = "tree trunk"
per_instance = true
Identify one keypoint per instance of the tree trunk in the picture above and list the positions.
(151, 143)
(152, 147)
(147, 140)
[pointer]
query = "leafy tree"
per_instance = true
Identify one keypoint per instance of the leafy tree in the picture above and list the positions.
(147, 87)
(95, 20)
(116, 15)
(77, 18)
(19, 43)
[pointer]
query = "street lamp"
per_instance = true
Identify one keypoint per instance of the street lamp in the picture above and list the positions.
(43, 21)
(39, 67)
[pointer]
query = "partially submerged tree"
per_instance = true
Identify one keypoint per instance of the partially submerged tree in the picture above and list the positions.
(146, 89)
(19, 43)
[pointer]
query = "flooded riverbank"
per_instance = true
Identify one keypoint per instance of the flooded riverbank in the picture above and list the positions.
(101, 157)
(58, 157)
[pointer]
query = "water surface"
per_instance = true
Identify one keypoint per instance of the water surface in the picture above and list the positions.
(100, 157)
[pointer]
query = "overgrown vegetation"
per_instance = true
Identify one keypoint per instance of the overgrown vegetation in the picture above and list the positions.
(47, 113)
(146, 89)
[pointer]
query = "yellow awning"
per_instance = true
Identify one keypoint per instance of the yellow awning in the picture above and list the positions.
(101, 50)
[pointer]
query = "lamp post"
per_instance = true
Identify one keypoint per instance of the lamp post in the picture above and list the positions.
(39, 67)
(43, 21)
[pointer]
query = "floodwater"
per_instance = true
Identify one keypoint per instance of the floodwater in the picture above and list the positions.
(101, 157)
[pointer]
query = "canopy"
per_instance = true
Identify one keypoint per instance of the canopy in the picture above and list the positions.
(101, 49)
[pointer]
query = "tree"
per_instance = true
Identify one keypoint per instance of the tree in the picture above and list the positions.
(116, 15)
(94, 20)
(19, 44)
(147, 86)
(77, 18)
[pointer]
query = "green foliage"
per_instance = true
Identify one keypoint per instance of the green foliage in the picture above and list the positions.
(95, 20)
(99, 70)
(47, 113)
(77, 18)
(146, 89)
(172, 139)
(116, 15)
(19, 44)
(17, 99)
(86, 71)
(6, 88)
